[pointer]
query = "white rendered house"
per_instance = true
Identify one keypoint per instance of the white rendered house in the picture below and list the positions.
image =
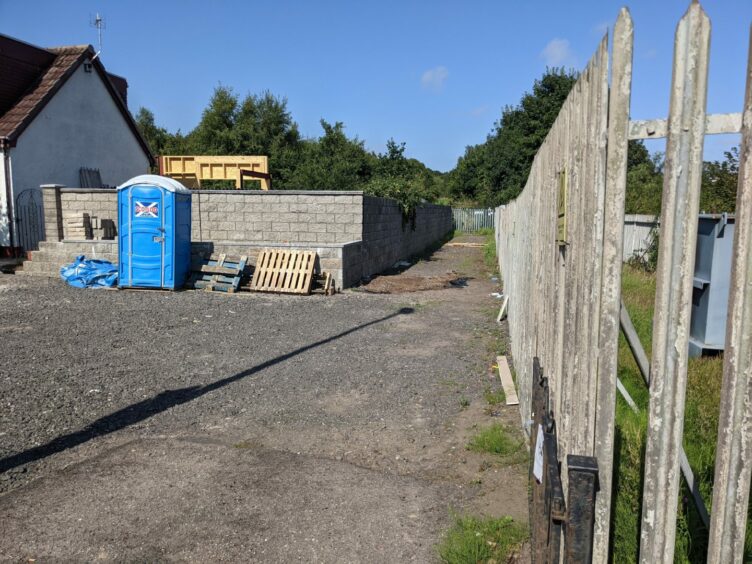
(60, 112)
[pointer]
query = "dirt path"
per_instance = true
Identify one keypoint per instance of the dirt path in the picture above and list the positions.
(188, 426)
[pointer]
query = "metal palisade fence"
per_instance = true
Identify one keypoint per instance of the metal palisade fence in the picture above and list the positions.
(469, 220)
(560, 246)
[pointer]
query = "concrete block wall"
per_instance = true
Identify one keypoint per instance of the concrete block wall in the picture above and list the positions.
(277, 216)
(61, 204)
(354, 235)
(228, 215)
(387, 238)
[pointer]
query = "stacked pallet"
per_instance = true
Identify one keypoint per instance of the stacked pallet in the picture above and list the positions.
(218, 273)
(284, 271)
(277, 271)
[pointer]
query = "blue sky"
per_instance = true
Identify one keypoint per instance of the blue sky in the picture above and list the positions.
(432, 74)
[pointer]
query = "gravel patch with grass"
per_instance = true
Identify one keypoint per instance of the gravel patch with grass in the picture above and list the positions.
(158, 426)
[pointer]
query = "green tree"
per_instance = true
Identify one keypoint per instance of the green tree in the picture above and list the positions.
(215, 134)
(161, 142)
(332, 162)
(265, 127)
(469, 182)
(496, 171)
(719, 183)
(408, 181)
(394, 163)
(644, 180)
(521, 131)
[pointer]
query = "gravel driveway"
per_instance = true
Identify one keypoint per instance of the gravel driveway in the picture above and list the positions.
(157, 426)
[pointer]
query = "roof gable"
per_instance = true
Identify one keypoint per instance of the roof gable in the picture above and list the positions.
(65, 61)
(21, 65)
(26, 108)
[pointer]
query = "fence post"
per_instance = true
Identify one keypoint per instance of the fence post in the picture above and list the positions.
(668, 373)
(53, 213)
(616, 181)
(734, 448)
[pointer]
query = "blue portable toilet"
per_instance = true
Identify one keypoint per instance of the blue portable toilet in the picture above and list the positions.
(154, 242)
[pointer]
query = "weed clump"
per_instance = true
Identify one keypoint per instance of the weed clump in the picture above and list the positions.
(473, 539)
(498, 439)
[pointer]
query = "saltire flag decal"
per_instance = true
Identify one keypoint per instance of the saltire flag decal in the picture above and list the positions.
(149, 209)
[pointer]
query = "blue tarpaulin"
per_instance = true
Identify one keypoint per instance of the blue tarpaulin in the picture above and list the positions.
(90, 273)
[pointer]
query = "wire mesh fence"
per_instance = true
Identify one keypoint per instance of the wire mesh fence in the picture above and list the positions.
(469, 220)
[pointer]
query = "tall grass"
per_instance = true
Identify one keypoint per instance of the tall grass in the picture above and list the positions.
(474, 539)
(489, 252)
(700, 433)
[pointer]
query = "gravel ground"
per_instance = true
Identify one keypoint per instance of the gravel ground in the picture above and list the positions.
(192, 426)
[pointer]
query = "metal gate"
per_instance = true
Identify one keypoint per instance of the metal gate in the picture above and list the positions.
(29, 219)
(469, 220)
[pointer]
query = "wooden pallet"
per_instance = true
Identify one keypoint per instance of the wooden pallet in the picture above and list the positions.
(218, 273)
(284, 271)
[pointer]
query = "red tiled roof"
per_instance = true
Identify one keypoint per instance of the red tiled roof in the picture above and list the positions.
(15, 120)
(20, 67)
(66, 60)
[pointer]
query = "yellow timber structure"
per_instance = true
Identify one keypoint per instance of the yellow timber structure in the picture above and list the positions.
(191, 170)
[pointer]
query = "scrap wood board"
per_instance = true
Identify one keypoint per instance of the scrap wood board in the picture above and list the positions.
(218, 273)
(284, 271)
(505, 375)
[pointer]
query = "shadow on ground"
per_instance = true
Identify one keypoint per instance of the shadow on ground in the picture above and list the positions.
(162, 402)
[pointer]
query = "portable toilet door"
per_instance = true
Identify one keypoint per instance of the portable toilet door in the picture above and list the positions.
(154, 218)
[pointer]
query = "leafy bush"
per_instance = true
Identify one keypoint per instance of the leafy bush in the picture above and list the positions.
(406, 192)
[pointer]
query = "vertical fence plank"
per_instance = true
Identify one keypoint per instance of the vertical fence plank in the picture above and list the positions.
(733, 467)
(681, 191)
(594, 249)
(616, 180)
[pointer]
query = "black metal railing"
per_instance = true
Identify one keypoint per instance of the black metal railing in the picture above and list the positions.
(554, 519)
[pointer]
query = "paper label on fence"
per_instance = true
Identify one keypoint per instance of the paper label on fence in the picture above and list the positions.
(538, 456)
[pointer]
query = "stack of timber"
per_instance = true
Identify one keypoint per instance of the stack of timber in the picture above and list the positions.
(77, 227)
(218, 273)
(284, 271)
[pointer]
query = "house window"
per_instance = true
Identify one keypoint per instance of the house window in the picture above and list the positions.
(87, 67)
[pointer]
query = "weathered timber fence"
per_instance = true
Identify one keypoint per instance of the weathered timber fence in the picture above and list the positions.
(560, 246)
(469, 220)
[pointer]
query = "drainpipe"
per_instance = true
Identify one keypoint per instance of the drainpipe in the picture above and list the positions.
(5, 147)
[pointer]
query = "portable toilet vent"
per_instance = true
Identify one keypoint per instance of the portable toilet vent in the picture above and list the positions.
(154, 244)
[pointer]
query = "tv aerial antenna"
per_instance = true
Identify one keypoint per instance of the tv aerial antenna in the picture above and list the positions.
(99, 23)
